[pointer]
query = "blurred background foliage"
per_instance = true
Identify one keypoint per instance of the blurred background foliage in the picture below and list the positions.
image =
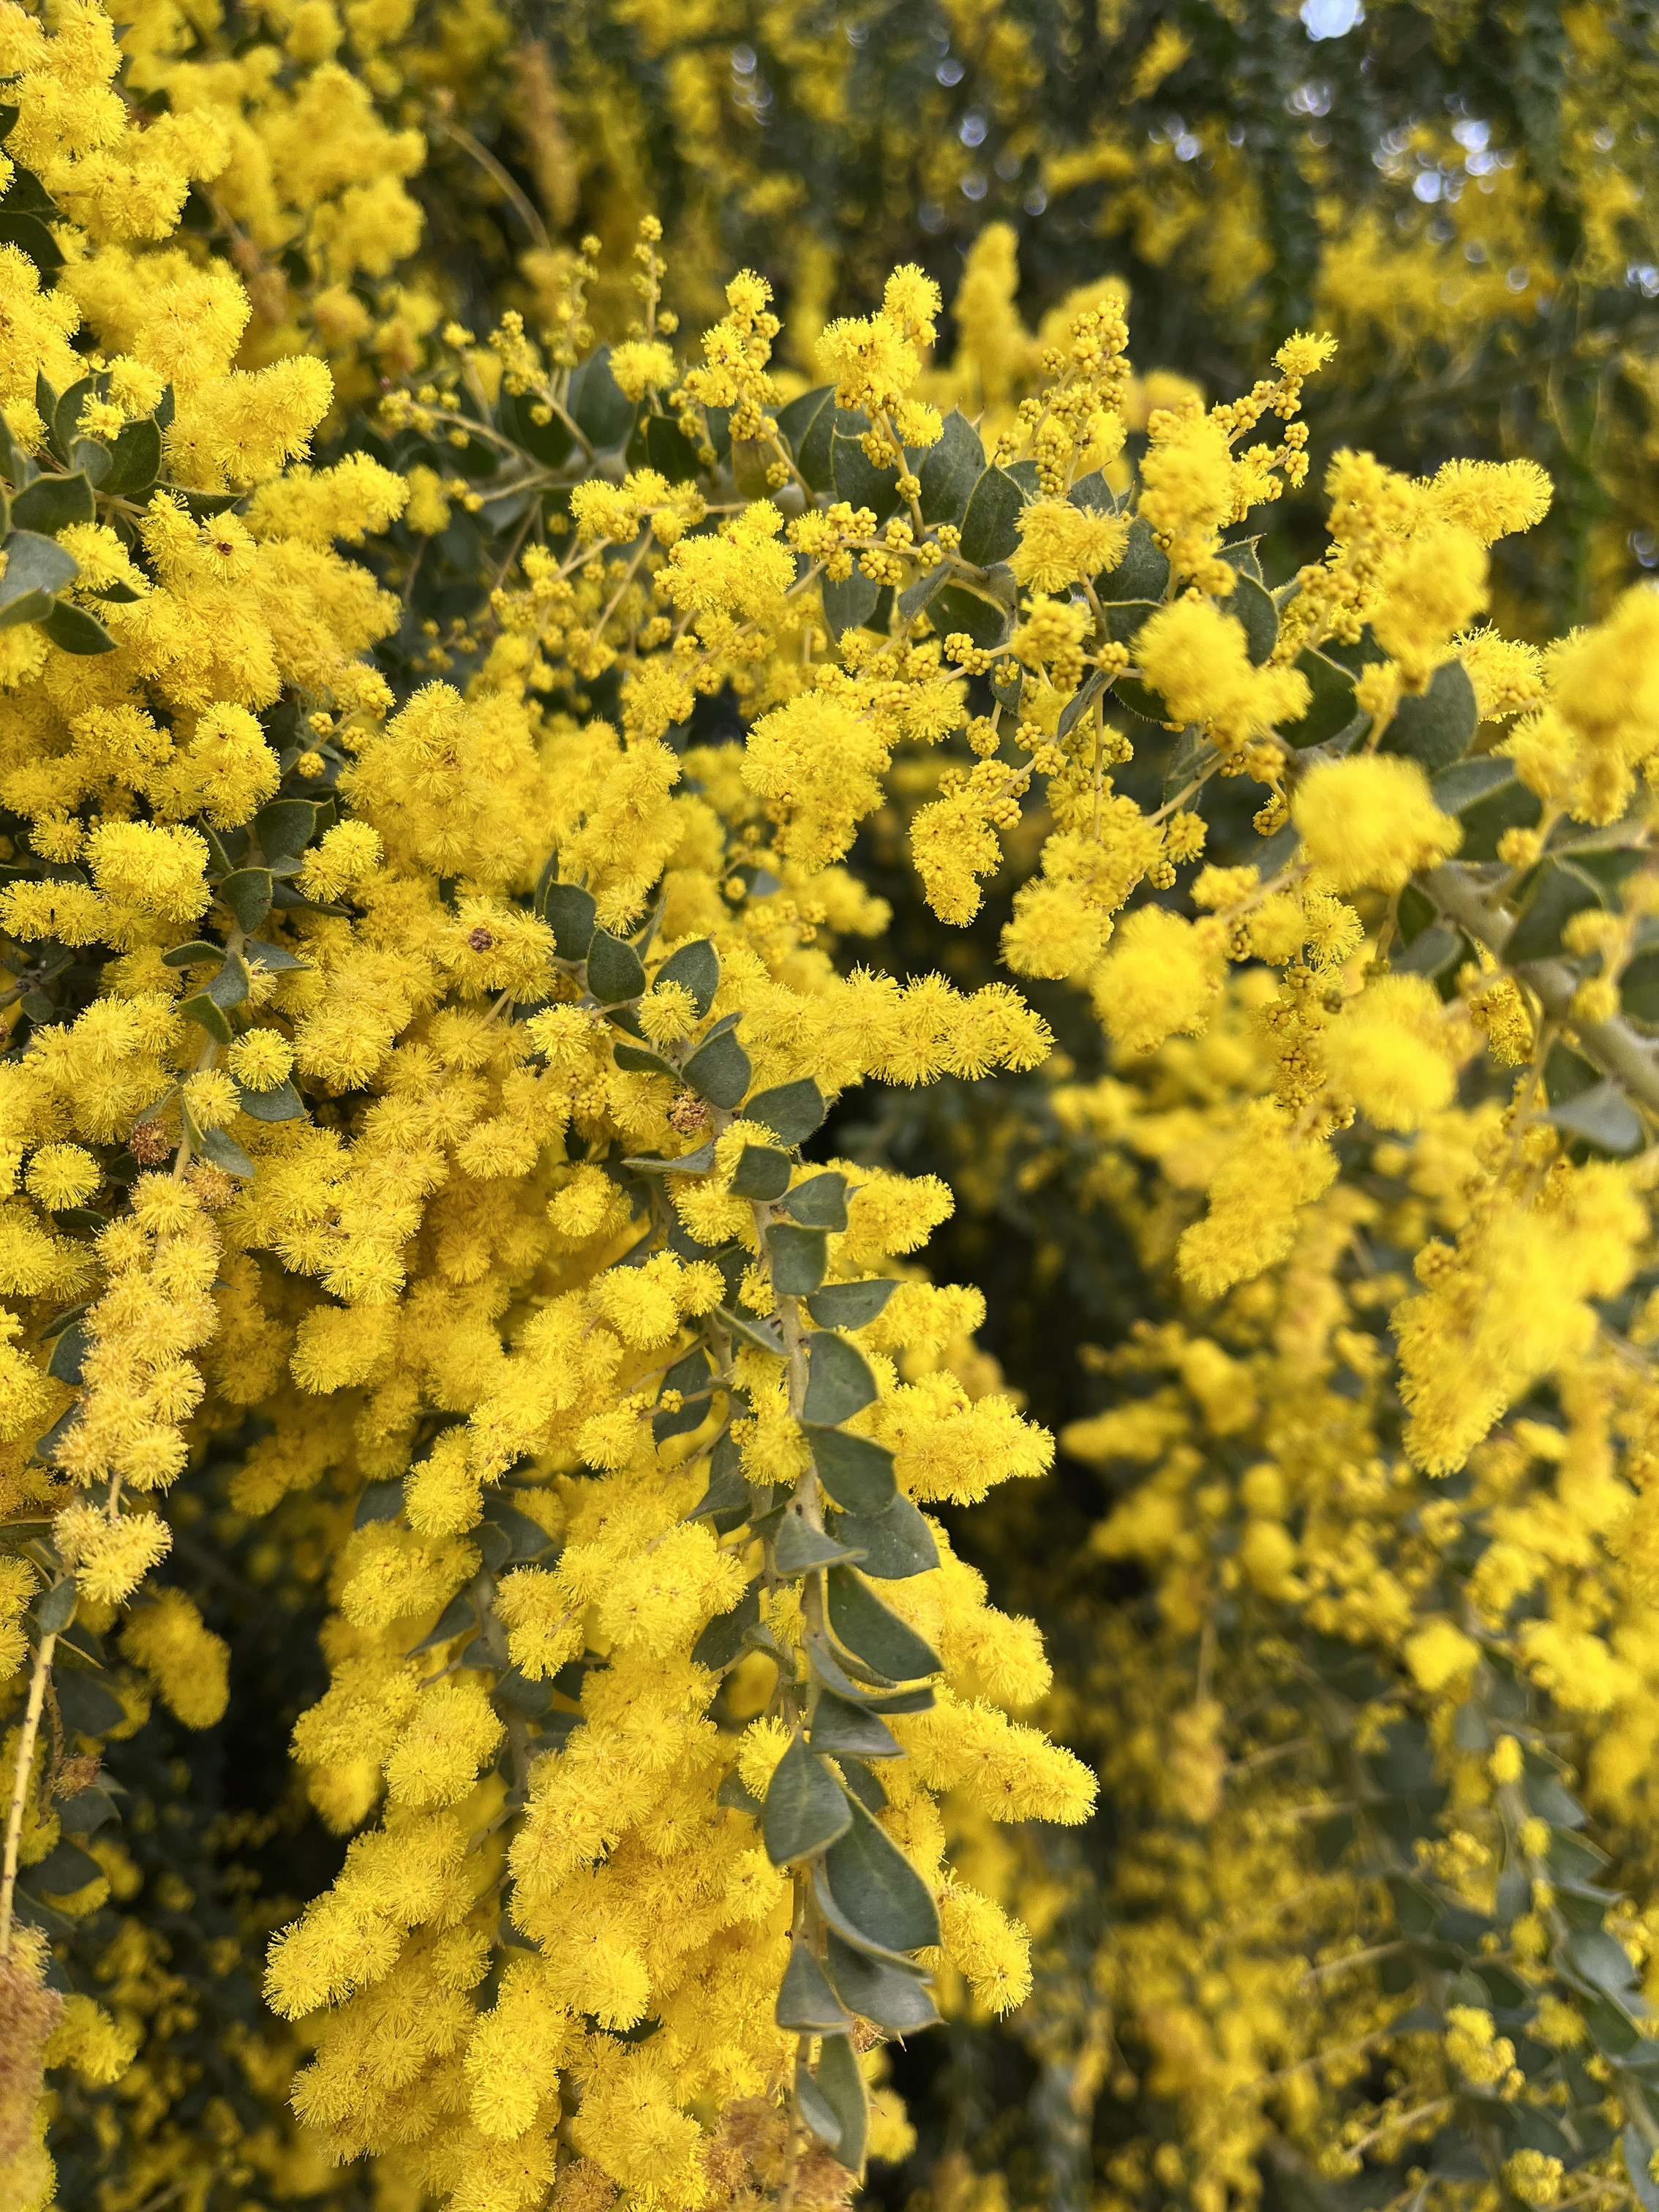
(1463, 193)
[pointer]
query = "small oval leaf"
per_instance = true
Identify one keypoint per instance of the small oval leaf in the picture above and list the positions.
(806, 1808)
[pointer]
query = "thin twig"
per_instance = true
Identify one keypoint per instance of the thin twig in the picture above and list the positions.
(20, 1787)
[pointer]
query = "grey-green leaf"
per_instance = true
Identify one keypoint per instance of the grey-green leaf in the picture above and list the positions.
(1143, 572)
(35, 565)
(1331, 707)
(798, 1258)
(839, 1382)
(569, 911)
(990, 523)
(55, 1608)
(727, 1491)
(639, 1059)
(136, 459)
(68, 1352)
(1256, 615)
(1437, 727)
(72, 629)
(820, 1202)
(792, 1111)
(896, 1542)
(816, 2111)
(848, 602)
(718, 1070)
(225, 1153)
(857, 482)
(953, 466)
(761, 1173)
(850, 1305)
(87, 1706)
(893, 1999)
(51, 503)
(799, 1548)
(806, 1808)
(796, 423)
(248, 893)
(598, 403)
(865, 1626)
(696, 968)
(720, 1644)
(955, 608)
(749, 1328)
(615, 970)
(65, 1868)
(282, 1103)
(807, 2003)
(1557, 892)
(200, 1010)
(838, 1725)
(840, 2083)
(878, 1890)
(813, 441)
(857, 1473)
(1602, 1117)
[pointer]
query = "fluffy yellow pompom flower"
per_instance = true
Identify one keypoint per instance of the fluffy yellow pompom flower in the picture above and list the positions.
(63, 1175)
(344, 855)
(642, 365)
(86, 2038)
(261, 1059)
(1440, 1653)
(1059, 544)
(1390, 1052)
(211, 1097)
(1160, 975)
(1196, 656)
(1371, 822)
(1490, 499)
(158, 871)
(110, 1557)
(1435, 588)
(187, 1662)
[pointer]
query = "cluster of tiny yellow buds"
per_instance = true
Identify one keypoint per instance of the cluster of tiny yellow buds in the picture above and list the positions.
(882, 567)
(1519, 848)
(310, 765)
(949, 537)
(320, 724)
(521, 365)
(983, 735)
(1271, 817)
(1112, 660)
(973, 660)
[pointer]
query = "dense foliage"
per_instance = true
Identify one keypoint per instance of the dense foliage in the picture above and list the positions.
(681, 870)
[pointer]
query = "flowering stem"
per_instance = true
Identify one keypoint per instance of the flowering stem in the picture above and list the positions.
(20, 1787)
(1615, 1046)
